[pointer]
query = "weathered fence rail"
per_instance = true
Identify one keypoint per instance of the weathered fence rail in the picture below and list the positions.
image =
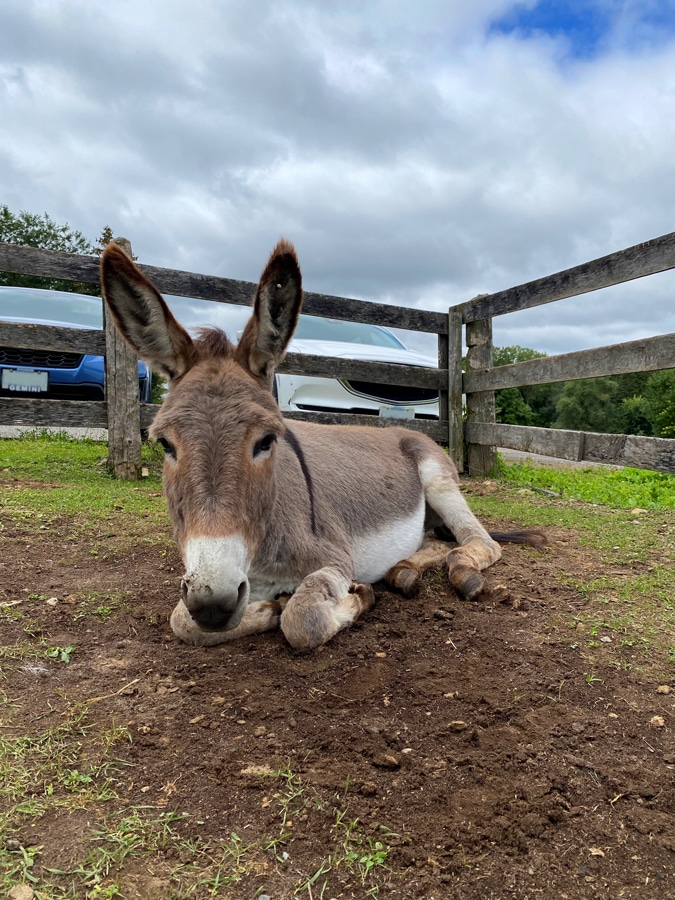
(479, 383)
(481, 380)
(121, 377)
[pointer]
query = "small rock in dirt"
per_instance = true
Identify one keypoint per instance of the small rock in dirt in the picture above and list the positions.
(606, 639)
(444, 614)
(657, 721)
(367, 789)
(385, 761)
(21, 892)
(264, 897)
(52, 601)
(12, 844)
(663, 689)
(259, 731)
(457, 725)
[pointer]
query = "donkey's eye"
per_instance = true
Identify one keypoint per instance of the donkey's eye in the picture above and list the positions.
(169, 448)
(264, 445)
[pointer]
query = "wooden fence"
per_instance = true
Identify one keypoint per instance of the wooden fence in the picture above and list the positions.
(124, 417)
(483, 434)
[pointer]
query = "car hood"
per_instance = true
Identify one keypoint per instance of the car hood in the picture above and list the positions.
(340, 349)
(53, 322)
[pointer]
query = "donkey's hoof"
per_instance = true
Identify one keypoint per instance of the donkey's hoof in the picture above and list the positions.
(468, 582)
(365, 593)
(404, 578)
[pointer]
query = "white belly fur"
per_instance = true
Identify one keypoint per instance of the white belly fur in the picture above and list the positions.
(376, 552)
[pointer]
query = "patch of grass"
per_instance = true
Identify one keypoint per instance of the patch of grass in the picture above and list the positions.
(46, 477)
(102, 605)
(621, 488)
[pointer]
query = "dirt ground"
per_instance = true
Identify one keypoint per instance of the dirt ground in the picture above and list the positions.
(465, 737)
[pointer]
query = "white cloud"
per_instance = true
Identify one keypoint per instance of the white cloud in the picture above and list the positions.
(412, 154)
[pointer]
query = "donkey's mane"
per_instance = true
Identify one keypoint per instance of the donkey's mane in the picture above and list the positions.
(213, 342)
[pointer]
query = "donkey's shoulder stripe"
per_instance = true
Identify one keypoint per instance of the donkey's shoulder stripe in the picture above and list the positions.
(297, 449)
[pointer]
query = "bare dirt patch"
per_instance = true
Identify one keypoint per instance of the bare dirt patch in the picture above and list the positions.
(469, 740)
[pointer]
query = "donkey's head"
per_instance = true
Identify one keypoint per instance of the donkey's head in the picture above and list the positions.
(218, 425)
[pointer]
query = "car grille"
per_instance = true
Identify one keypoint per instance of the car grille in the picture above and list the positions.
(42, 359)
(392, 393)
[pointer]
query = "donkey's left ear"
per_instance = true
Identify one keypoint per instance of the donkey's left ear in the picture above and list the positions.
(275, 314)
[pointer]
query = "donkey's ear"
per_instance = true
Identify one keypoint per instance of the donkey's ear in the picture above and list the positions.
(275, 314)
(142, 317)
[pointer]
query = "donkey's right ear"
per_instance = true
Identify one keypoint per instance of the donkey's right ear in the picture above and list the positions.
(142, 317)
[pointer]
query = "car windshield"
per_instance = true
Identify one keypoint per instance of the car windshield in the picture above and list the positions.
(50, 306)
(316, 329)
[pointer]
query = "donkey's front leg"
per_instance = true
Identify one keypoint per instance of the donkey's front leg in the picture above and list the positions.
(324, 603)
(260, 616)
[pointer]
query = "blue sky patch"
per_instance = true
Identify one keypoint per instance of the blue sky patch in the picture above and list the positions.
(592, 27)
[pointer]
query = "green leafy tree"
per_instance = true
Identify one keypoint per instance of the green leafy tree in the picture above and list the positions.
(590, 405)
(32, 230)
(659, 397)
(532, 404)
(636, 416)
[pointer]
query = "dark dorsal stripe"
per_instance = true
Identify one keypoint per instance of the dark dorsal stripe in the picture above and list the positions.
(297, 449)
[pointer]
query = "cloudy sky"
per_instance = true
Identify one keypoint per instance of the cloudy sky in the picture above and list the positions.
(417, 153)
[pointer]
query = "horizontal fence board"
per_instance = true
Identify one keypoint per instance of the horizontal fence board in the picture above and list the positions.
(363, 370)
(50, 337)
(631, 450)
(657, 255)
(542, 441)
(50, 263)
(54, 413)
(435, 429)
(657, 454)
(646, 355)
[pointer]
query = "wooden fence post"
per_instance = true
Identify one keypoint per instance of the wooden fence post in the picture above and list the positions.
(480, 406)
(454, 364)
(121, 390)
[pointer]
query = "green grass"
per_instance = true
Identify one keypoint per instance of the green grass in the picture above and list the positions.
(47, 477)
(621, 488)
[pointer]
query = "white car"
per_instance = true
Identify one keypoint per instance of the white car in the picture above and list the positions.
(352, 340)
(329, 337)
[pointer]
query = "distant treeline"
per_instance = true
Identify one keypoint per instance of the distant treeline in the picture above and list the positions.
(641, 403)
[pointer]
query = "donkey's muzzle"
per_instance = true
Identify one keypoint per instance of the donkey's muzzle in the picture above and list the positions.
(211, 612)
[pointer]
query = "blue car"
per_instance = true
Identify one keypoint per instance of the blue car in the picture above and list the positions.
(55, 375)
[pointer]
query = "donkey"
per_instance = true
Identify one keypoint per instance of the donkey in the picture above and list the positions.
(263, 508)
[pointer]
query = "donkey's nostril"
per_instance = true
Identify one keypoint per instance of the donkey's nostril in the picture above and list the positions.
(212, 616)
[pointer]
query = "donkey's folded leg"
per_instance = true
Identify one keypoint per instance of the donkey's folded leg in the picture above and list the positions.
(325, 603)
(260, 616)
(404, 577)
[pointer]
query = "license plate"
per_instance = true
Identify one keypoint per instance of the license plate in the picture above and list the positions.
(25, 380)
(398, 412)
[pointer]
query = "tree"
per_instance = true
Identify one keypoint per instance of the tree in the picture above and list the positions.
(531, 404)
(590, 405)
(659, 397)
(32, 230)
